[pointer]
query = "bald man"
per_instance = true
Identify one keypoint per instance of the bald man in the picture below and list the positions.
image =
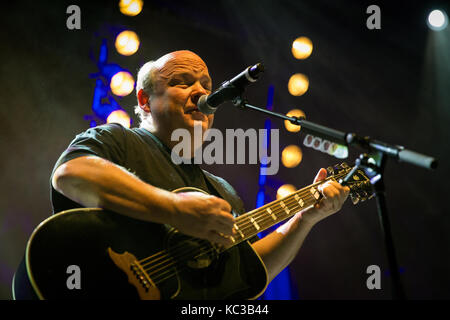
(129, 171)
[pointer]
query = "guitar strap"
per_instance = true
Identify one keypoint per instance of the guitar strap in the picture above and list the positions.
(224, 190)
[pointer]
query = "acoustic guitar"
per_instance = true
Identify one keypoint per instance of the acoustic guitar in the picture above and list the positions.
(90, 253)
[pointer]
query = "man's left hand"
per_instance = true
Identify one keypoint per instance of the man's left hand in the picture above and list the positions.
(334, 196)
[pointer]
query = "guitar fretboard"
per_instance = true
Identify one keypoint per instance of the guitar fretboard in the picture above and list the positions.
(251, 223)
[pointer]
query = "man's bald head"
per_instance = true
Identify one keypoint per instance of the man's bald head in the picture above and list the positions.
(154, 73)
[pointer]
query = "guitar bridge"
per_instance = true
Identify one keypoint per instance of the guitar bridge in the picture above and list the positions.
(137, 276)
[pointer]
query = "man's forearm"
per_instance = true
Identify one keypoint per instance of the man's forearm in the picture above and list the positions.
(96, 182)
(278, 249)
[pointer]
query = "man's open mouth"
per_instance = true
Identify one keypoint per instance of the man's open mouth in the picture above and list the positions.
(191, 110)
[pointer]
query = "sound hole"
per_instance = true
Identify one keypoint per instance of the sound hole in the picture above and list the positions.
(190, 252)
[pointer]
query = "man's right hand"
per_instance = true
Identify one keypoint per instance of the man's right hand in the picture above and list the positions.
(203, 216)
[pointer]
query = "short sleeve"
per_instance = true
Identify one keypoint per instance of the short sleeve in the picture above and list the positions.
(105, 141)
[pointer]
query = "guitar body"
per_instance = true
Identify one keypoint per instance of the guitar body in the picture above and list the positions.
(99, 244)
(94, 253)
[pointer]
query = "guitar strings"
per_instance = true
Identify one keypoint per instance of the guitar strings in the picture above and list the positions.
(266, 217)
(241, 227)
(158, 277)
(172, 260)
(256, 216)
(290, 197)
(156, 274)
(288, 201)
(171, 253)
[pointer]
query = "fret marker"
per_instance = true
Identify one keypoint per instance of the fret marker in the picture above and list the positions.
(299, 200)
(271, 214)
(315, 193)
(239, 230)
(255, 223)
(286, 209)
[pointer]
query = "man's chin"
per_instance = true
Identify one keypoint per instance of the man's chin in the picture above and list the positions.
(198, 116)
(193, 123)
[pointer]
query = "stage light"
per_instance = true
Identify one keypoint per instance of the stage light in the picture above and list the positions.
(325, 146)
(131, 7)
(302, 48)
(122, 83)
(340, 152)
(298, 84)
(437, 20)
(291, 156)
(119, 116)
(285, 190)
(293, 113)
(127, 42)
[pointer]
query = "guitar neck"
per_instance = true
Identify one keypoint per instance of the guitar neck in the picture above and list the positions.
(251, 223)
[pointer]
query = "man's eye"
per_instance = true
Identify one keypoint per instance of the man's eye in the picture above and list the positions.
(177, 82)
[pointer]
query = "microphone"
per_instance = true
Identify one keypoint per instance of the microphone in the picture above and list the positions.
(229, 90)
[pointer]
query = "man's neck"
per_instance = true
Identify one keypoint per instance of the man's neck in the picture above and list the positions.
(165, 140)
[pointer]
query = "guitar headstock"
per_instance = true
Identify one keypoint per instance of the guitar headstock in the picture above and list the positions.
(359, 182)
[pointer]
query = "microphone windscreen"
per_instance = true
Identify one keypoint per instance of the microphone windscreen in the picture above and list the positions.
(203, 105)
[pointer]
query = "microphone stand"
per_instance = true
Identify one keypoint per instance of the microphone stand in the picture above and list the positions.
(372, 161)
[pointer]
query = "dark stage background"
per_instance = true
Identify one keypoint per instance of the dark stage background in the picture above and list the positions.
(391, 84)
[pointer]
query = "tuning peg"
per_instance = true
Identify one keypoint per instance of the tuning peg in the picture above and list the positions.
(345, 165)
(354, 199)
(366, 185)
(364, 196)
(330, 171)
(337, 168)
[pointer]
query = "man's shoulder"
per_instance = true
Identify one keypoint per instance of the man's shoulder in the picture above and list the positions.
(114, 131)
(107, 128)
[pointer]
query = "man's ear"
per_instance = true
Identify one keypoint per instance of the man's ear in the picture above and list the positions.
(143, 100)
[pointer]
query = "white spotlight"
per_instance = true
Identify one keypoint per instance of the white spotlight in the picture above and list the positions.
(437, 20)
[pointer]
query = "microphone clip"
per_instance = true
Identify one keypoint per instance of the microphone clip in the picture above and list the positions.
(240, 102)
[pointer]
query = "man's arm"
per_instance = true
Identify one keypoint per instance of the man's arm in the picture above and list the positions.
(279, 248)
(95, 182)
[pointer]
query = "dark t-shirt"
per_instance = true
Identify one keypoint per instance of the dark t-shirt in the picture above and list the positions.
(143, 154)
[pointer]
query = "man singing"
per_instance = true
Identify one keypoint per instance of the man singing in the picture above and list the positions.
(130, 171)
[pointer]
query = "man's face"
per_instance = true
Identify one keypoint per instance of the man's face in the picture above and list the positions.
(182, 79)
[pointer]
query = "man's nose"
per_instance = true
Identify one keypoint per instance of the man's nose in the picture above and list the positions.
(197, 92)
